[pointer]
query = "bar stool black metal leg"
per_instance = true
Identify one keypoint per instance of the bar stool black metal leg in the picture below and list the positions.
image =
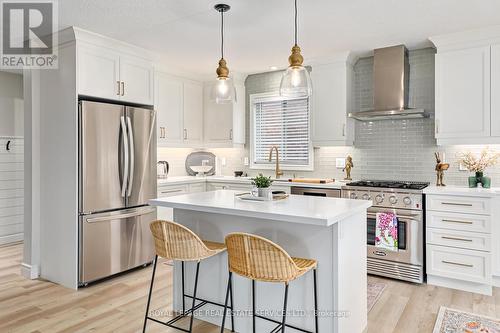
(149, 296)
(283, 323)
(232, 300)
(194, 297)
(315, 301)
(183, 290)
(225, 303)
(253, 306)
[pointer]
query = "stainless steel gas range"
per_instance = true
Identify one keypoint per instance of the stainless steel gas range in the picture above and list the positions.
(405, 199)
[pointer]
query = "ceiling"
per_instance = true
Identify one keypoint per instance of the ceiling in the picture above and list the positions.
(259, 33)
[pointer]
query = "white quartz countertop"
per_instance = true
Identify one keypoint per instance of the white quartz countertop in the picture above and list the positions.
(242, 180)
(463, 191)
(296, 209)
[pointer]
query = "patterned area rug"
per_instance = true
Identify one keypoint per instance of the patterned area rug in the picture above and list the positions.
(454, 321)
(375, 290)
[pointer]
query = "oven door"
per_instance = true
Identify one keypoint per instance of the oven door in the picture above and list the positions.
(410, 236)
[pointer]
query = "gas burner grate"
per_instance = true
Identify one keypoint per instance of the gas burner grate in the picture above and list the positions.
(390, 184)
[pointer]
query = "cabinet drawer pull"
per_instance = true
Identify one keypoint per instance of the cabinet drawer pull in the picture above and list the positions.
(123, 88)
(456, 204)
(456, 263)
(170, 191)
(456, 221)
(457, 238)
(343, 129)
(118, 91)
(185, 134)
(231, 134)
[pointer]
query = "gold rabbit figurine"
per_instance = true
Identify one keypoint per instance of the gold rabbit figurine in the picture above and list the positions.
(440, 169)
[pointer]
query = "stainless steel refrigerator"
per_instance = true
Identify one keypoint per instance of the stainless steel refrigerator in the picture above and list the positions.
(117, 175)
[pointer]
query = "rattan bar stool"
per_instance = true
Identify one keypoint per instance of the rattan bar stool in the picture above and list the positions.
(259, 259)
(176, 242)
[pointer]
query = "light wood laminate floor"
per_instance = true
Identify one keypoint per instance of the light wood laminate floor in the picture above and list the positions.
(117, 305)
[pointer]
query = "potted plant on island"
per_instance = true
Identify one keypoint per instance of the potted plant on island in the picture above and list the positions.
(263, 185)
(475, 164)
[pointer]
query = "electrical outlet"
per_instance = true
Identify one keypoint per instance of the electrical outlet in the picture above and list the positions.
(245, 161)
(462, 167)
(340, 163)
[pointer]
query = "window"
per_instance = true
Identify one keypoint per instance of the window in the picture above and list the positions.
(284, 123)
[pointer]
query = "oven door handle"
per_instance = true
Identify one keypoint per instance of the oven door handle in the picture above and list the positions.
(406, 217)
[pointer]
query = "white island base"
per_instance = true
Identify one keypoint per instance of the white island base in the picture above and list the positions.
(336, 240)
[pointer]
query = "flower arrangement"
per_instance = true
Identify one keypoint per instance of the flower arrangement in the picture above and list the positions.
(262, 181)
(486, 159)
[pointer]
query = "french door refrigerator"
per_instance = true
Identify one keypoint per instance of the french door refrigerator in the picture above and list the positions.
(117, 177)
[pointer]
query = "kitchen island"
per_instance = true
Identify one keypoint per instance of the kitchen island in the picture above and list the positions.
(329, 230)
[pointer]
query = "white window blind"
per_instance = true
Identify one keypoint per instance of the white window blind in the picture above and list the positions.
(283, 123)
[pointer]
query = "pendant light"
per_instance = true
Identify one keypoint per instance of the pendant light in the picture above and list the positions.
(223, 91)
(296, 81)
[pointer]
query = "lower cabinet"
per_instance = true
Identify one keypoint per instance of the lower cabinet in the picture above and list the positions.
(165, 191)
(461, 243)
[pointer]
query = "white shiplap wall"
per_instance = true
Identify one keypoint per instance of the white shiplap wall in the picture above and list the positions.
(11, 190)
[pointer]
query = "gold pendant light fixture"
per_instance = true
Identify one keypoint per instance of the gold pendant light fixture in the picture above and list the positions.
(223, 91)
(296, 81)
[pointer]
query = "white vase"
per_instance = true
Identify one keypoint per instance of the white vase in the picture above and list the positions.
(264, 192)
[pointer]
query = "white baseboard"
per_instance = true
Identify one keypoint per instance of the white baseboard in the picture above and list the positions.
(496, 281)
(11, 239)
(30, 271)
(478, 288)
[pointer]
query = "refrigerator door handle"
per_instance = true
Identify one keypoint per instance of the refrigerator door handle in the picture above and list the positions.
(132, 157)
(126, 150)
(120, 216)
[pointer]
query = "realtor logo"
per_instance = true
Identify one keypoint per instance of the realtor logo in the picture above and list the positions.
(28, 34)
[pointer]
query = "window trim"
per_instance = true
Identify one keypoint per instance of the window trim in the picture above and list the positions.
(274, 96)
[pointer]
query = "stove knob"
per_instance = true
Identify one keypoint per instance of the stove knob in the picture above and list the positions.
(379, 198)
(407, 201)
(393, 200)
(353, 196)
(366, 196)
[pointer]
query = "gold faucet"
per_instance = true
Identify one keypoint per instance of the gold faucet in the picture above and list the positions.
(278, 171)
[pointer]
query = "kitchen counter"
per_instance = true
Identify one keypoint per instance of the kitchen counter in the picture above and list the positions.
(242, 180)
(329, 230)
(297, 209)
(463, 191)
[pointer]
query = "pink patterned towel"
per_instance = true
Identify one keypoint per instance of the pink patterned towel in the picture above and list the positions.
(386, 231)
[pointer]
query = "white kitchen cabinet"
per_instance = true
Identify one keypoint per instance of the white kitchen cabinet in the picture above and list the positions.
(463, 93)
(98, 72)
(193, 112)
(461, 242)
(224, 124)
(104, 73)
(169, 109)
(331, 103)
(179, 107)
(165, 191)
(136, 76)
(495, 90)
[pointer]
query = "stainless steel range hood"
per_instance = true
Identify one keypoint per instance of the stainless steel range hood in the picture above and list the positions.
(390, 87)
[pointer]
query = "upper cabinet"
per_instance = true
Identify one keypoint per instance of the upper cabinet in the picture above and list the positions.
(495, 90)
(224, 124)
(136, 76)
(103, 73)
(468, 88)
(463, 93)
(331, 102)
(179, 107)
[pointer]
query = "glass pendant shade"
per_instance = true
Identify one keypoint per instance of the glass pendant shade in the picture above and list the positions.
(296, 82)
(223, 91)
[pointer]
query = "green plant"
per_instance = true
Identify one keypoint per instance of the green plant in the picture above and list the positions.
(262, 181)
